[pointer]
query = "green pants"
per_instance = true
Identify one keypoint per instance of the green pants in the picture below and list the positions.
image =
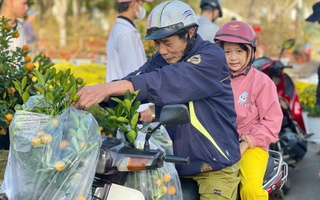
(219, 185)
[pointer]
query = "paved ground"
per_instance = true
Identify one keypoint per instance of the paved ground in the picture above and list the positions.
(305, 177)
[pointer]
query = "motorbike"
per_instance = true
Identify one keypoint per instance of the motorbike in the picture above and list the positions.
(292, 137)
(117, 159)
(3, 195)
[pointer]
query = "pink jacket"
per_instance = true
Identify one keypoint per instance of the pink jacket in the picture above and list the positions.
(257, 106)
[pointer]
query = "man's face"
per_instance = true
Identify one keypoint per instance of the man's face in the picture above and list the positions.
(20, 7)
(171, 48)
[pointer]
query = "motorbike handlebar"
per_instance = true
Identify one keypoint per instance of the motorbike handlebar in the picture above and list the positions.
(177, 159)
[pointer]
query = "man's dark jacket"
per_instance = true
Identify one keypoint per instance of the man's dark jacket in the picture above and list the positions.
(201, 81)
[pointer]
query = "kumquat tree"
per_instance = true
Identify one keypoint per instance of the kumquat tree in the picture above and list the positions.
(14, 65)
(55, 145)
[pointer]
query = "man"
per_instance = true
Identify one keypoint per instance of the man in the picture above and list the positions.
(210, 11)
(13, 9)
(125, 50)
(315, 17)
(186, 70)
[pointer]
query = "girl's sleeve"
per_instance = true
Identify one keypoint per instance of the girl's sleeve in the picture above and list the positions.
(271, 116)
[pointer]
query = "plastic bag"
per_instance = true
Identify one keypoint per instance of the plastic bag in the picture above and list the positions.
(52, 158)
(161, 183)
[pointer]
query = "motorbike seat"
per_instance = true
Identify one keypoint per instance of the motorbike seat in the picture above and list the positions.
(270, 169)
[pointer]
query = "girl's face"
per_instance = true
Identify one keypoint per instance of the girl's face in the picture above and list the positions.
(236, 56)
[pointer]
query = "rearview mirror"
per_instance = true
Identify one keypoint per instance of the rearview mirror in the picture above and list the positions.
(170, 115)
(174, 115)
(288, 44)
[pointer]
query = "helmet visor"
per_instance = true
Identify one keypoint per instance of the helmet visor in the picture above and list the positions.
(155, 33)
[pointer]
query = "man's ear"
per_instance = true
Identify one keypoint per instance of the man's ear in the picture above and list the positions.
(132, 3)
(191, 31)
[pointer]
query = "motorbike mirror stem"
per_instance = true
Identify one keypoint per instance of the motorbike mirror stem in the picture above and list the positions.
(281, 52)
(148, 135)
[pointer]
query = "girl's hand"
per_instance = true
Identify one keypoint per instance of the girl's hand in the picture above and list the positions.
(243, 147)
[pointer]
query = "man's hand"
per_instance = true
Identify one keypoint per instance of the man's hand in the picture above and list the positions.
(90, 95)
(146, 115)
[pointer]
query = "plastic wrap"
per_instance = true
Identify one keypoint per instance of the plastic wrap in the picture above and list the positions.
(52, 158)
(161, 183)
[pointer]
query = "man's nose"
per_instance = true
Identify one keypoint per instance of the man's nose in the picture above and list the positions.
(162, 49)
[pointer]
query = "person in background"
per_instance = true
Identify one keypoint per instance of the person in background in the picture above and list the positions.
(315, 17)
(210, 11)
(186, 70)
(125, 51)
(30, 36)
(259, 115)
(13, 9)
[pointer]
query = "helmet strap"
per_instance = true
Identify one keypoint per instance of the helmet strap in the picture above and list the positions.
(190, 42)
(244, 73)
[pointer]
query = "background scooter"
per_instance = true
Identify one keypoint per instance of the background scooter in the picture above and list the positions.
(292, 137)
(117, 158)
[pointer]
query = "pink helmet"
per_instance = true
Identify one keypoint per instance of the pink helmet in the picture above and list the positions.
(236, 32)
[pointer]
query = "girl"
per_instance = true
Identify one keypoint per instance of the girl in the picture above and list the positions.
(259, 115)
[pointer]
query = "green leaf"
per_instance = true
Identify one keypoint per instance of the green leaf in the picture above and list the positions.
(128, 95)
(40, 77)
(123, 120)
(134, 120)
(116, 100)
(120, 111)
(75, 143)
(17, 85)
(72, 80)
(113, 117)
(49, 97)
(135, 106)
(72, 132)
(24, 82)
(135, 94)
(39, 87)
(110, 111)
(126, 104)
(25, 96)
(68, 71)
(123, 128)
(75, 119)
(131, 136)
(81, 134)
(73, 90)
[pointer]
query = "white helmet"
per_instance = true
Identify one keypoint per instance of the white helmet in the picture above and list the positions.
(168, 18)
